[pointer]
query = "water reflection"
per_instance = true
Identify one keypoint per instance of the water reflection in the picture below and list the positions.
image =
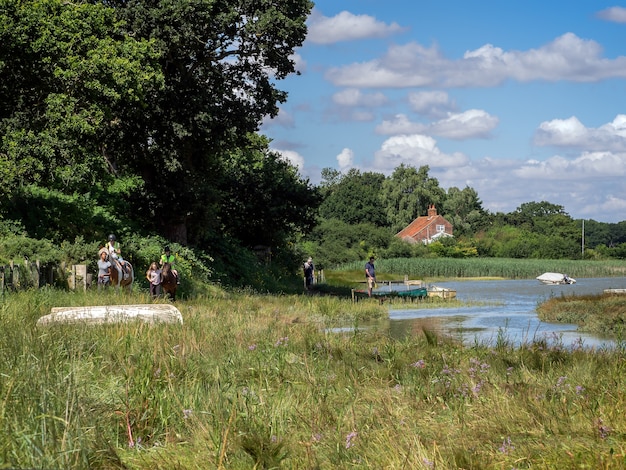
(507, 309)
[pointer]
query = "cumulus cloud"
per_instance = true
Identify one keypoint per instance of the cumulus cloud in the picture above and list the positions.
(414, 150)
(292, 157)
(473, 123)
(572, 133)
(568, 57)
(345, 159)
(614, 14)
(431, 103)
(355, 97)
(346, 26)
(587, 166)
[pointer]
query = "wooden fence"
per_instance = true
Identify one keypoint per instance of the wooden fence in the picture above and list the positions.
(26, 275)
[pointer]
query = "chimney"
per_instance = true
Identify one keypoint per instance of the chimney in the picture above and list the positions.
(432, 211)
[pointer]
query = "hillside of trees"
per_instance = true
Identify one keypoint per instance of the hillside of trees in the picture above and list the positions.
(141, 119)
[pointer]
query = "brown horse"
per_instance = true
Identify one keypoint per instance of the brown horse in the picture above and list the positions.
(128, 280)
(169, 283)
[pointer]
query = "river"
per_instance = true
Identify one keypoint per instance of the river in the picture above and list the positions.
(506, 310)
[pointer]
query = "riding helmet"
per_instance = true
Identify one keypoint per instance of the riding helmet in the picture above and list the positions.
(111, 238)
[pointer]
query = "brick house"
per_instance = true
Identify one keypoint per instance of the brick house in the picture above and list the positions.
(427, 228)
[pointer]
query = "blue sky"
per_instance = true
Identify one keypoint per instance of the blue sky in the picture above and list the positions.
(522, 101)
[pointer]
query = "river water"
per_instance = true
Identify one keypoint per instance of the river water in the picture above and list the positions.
(506, 310)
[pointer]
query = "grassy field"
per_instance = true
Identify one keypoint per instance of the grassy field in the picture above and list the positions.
(252, 381)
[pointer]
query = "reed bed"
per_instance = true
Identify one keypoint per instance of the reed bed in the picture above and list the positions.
(420, 268)
(267, 382)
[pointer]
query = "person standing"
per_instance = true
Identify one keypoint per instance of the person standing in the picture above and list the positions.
(104, 270)
(370, 275)
(153, 275)
(309, 273)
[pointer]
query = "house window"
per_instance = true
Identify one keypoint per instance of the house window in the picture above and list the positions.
(441, 228)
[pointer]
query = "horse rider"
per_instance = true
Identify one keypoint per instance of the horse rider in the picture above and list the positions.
(168, 257)
(115, 254)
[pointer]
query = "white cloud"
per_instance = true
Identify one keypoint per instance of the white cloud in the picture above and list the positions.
(345, 159)
(300, 63)
(587, 166)
(568, 57)
(473, 123)
(614, 14)
(346, 26)
(354, 97)
(572, 133)
(431, 103)
(292, 157)
(283, 118)
(414, 150)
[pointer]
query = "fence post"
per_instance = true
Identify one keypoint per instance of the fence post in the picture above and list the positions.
(79, 276)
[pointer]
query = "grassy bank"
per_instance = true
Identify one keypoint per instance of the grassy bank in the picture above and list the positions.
(263, 382)
(600, 313)
(447, 268)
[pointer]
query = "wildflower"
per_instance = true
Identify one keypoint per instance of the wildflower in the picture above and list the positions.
(282, 341)
(428, 463)
(316, 437)
(252, 347)
(157, 373)
(506, 446)
(419, 364)
(187, 413)
(603, 429)
(349, 439)
(579, 389)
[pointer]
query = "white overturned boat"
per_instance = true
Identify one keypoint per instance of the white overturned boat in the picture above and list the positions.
(98, 315)
(556, 278)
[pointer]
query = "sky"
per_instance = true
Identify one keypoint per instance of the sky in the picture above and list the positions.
(521, 101)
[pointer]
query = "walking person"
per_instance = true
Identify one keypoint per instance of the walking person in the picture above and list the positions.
(370, 275)
(104, 270)
(309, 273)
(153, 275)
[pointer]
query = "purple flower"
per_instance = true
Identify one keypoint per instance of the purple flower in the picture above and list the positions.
(419, 364)
(282, 341)
(349, 439)
(252, 347)
(506, 446)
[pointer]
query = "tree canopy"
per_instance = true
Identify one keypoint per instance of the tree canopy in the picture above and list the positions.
(143, 110)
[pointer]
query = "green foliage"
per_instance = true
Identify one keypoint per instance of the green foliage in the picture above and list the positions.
(408, 193)
(339, 242)
(353, 198)
(264, 199)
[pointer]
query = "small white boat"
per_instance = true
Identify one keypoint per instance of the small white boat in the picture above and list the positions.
(555, 278)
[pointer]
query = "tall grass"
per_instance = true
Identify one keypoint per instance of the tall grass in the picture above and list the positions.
(265, 382)
(491, 267)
